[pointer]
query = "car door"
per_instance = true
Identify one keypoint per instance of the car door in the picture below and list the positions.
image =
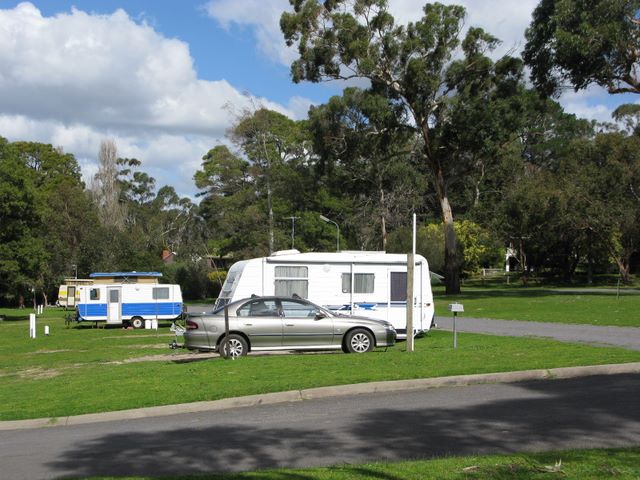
(260, 320)
(303, 327)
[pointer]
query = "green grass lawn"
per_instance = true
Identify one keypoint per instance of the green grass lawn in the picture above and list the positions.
(85, 370)
(596, 464)
(545, 305)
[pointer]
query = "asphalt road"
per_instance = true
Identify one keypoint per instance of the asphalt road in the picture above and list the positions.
(528, 416)
(626, 337)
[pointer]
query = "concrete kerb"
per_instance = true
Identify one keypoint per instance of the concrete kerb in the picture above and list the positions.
(325, 392)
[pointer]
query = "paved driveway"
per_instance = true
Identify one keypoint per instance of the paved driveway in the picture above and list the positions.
(626, 337)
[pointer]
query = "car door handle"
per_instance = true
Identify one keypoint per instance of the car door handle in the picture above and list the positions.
(289, 324)
(249, 324)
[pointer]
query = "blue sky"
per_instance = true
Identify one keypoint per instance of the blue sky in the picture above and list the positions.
(165, 78)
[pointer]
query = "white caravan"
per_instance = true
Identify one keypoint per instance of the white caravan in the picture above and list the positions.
(129, 298)
(370, 284)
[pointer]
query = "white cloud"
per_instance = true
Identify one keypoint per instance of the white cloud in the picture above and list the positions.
(263, 17)
(75, 78)
(299, 107)
(593, 103)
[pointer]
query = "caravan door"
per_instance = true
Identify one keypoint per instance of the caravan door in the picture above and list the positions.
(114, 305)
(71, 296)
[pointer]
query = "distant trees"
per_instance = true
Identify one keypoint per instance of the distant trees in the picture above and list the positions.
(424, 70)
(43, 218)
(53, 227)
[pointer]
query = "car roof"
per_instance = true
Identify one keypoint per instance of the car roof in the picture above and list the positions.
(271, 297)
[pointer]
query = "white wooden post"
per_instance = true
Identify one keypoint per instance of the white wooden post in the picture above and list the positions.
(32, 325)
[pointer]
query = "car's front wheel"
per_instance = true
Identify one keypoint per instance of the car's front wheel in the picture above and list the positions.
(359, 341)
(238, 346)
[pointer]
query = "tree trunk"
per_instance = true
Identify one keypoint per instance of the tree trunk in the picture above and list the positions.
(589, 263)
(451, 257)
(624, 269)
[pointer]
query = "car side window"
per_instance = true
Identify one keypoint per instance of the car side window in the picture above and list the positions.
(294, 309)
(258, 308)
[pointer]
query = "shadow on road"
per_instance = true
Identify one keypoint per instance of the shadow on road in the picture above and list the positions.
(551, 415)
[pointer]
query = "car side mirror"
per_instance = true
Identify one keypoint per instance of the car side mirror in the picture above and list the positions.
(320, 316)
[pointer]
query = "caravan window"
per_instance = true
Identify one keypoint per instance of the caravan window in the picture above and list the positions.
(290, 280)
(398, 286)
(363, 282)
(94, 294)
(161, 293)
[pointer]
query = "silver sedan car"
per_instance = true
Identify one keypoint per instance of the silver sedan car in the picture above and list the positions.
(280, 323)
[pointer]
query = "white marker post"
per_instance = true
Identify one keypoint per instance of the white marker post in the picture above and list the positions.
(32, 325)
(455, 308)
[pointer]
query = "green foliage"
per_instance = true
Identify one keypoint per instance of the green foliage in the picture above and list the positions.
(42, 217)
(479, 248)
(364, 151)
(584, 42)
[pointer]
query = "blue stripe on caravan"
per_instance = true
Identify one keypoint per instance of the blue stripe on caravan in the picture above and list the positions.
(99, 310)
(151, 309)
(92, 310)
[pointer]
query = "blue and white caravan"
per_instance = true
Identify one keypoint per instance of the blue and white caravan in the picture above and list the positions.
(128, 298)
(370, 284)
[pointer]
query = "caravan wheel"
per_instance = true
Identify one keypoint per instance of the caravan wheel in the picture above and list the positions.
(137, 322)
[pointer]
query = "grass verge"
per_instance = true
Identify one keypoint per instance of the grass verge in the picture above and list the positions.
(590, 306)
(84, 370)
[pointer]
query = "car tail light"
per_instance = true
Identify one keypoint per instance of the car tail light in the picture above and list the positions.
(191, 325)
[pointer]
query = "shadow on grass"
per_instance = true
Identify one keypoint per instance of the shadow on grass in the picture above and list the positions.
(531, 416)
(14, 318)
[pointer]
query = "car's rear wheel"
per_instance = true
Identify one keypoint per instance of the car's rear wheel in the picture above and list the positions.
(238, 346)
(359, 341)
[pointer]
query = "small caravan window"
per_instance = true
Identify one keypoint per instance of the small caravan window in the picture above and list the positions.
(161, 293)
(94, 294)
(363, 282)
(290, 280)
(292, 272)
